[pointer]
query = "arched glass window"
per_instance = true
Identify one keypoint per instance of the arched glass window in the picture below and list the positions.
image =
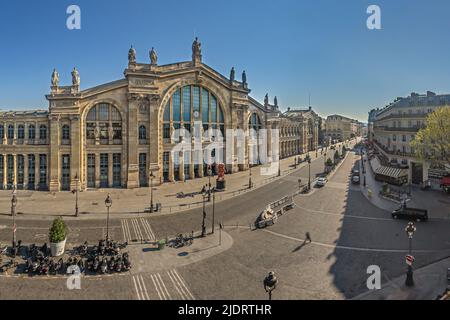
(2, 131)
(255, 122)
(65, 135)
(103, 120)
(142, 133)
(31, 132)
(43, 132)
(190, 105)
(11, 131)
(21, 132)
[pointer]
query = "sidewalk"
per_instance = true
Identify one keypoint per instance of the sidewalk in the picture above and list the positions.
(430, 281)
(125, 201)
(437, 203)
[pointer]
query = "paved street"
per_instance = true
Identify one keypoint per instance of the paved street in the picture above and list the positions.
(348, 234)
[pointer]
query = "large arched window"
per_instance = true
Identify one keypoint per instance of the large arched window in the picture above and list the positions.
(191, 105)
(43, 132)
(102, 121)
(2, 131)
(31, 132)
(254, 122)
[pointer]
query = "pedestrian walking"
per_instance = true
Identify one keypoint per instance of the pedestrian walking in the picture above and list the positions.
(308, 238)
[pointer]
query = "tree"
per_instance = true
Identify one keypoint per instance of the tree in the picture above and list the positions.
(433, 141)
(336, 157)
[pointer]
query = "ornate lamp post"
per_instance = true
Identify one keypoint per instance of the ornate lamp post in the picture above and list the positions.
(209, 182)
(76, 195)
(108, 204)
(308, 158)
(13, 214)
(270, 283)
(204, 215)
(213, 208)
(410, 229)
(295, 162)
(250, 183)
(151, 191)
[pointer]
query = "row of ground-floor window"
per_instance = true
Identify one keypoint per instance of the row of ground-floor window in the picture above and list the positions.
(24, 171)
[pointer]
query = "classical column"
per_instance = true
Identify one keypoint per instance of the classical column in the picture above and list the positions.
(191, 164)
(181, 166)
(25, 132)
(97, 170)
(76, 152)
(25, 171)
(154, 137)
(5, 171)
(15, 169)
(55, 162)
(110, 170)
(134, 101)
(171, 168)
(37, 170)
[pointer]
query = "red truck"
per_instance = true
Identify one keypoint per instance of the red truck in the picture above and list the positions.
(446, 184)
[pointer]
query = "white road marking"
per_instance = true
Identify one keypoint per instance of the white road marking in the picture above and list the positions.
(145, 288)
(326, 245)
(148, 230)
(183, 283)
(164, 286)
(176, 286)
(136, 288)
(155, 281)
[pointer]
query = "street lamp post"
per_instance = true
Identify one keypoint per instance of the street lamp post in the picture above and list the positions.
(295, 163)
(151, 191)
(250, 183)
(308, 158)
(204, 216)
(13, 214)
(108, 204)
(213, 209)
(76, 195)
(410, 229)
(270, 283)
(209, 182)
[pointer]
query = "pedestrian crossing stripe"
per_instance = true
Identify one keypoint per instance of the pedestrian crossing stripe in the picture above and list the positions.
(137, 229)
(161, 286)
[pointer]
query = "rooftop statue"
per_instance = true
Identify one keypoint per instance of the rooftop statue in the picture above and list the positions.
(266, 100)
(132, 55)
(196, 48)
(244, 77)
(153, 57)
(75, 77)
(232, 74)
(55, 78)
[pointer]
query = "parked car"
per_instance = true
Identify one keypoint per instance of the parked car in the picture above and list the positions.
(355, 179)
(410, 213)
(321, 182)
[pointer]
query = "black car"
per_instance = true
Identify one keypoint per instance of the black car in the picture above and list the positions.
(410, 214)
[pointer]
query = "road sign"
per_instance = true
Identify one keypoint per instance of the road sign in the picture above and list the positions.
(409, 260)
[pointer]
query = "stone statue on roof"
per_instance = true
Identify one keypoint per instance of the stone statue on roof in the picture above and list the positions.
(132, 55)
(153, 57)
(55, 78)
(75, 77)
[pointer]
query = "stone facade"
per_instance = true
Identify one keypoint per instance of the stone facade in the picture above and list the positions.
(299, 132)
(116, 134)
(393, 128)
(341, 128)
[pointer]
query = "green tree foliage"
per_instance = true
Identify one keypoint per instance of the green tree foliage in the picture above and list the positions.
(433, 141)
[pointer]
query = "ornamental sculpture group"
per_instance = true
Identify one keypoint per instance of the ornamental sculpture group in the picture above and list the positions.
(75, 78)
(132, 56)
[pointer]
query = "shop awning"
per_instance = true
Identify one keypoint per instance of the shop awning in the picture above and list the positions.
(387, 171)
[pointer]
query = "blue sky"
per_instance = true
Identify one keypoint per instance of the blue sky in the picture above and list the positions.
(288, 48)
